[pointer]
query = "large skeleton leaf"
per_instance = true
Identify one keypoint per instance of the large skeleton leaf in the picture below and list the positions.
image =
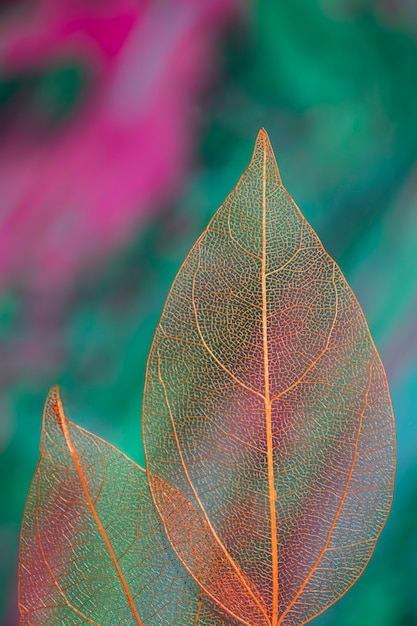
(269, 442)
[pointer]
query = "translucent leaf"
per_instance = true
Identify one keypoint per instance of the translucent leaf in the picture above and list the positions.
(93, 549)
(267, 413)
(269, 440)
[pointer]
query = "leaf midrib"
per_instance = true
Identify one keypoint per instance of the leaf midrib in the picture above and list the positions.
(267, 401)
(78, 467)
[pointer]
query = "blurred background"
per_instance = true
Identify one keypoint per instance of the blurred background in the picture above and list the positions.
(123, 125)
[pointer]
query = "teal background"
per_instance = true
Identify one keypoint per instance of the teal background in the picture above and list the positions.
(335, 85)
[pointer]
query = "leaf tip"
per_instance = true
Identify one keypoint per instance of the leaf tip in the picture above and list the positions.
(53, 412)
(262, 134)
(263, 152)
(262, 141)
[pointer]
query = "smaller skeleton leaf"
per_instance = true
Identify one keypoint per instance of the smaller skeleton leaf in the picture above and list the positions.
(269, 441)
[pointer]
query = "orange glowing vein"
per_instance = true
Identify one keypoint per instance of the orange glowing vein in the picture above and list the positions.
(270, 451)
(74, 454)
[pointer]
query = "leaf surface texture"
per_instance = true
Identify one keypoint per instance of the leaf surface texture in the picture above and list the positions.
(267, 407)
(93, 549)
(269, 440)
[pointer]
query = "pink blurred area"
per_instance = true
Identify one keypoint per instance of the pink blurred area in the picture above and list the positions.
(72, 196)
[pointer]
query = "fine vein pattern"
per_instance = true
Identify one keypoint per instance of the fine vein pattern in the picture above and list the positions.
(93, 549)
(269, 441)
(267, 407)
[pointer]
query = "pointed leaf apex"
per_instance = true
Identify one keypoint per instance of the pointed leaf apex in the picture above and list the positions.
(263, 152)
(53, 414)
(262, 140)
(262, 133)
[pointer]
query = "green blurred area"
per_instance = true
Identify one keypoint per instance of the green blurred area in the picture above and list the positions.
(335, 85)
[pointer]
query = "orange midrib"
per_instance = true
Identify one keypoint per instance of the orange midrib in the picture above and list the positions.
(207, 519)
(100, 526)
(270, 451)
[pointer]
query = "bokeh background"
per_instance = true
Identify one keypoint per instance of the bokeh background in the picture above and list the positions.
(123, 125)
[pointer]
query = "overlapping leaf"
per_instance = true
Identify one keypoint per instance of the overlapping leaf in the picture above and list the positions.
(93, 549)
(267, 408)
(269, 441)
